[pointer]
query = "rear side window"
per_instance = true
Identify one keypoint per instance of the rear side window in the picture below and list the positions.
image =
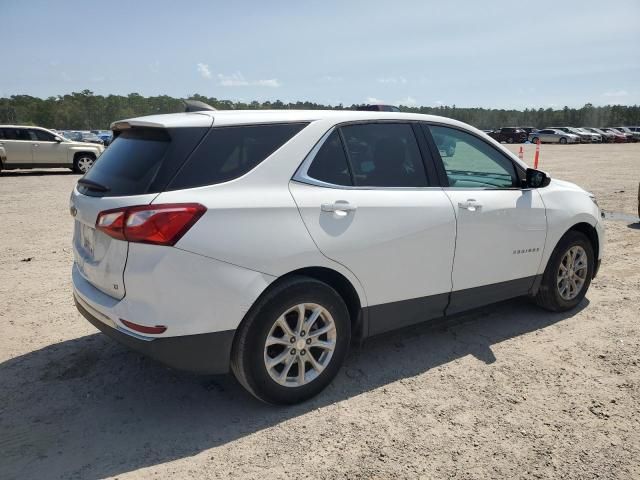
(141, 160)
(227, 153)
(16, 134)
(330, 163)
(384, 155)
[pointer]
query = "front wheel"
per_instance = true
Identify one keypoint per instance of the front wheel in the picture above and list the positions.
(292, 342)
(563, 141)
(534, 140)
(568, 274)
(83, 163)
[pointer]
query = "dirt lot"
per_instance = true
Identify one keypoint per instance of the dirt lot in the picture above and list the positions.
(510, 391)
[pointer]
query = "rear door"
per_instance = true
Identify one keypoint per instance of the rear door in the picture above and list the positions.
(501, 227)
(132, 171)
(366, 199)
(17, 146)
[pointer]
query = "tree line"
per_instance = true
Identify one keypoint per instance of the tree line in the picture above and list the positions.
(85, 111)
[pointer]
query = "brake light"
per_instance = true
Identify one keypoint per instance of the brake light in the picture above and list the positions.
(162, 224)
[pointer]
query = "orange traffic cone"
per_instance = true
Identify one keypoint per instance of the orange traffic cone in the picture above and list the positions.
(521, 153)
(535, 160)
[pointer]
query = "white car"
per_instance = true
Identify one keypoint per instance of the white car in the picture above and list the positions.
(36, 147)
(265, 242)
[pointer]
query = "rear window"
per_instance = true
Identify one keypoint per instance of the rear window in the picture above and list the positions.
(227, 153)
(141, 160)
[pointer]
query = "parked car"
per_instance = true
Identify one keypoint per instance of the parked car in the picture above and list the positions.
(551, 135)
(595, 137)
(529, 130)
(618, 137)
(36, 147)
(631, 136)
(584, 137)
(607, 137)
(106, 136)
(72, 135)
(91, 138)
(267, 241)
(509, 135)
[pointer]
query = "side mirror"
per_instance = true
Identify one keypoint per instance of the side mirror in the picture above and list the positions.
(537, 178)
(57, 139)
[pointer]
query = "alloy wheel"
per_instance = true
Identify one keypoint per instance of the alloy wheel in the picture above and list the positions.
(300, 345)
(572, 272)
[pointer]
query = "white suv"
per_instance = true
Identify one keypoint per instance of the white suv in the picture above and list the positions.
(266, 241)
(36, 147)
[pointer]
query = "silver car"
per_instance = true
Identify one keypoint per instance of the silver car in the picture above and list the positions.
(550, 135)
(585, 137)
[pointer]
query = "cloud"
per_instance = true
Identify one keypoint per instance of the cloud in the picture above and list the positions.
(408, 102)
(393, 80)
(373, 100)
(238, 80)
(615, 93)
(203, 70)
(330, 79)
(270, 82)
(439, 103)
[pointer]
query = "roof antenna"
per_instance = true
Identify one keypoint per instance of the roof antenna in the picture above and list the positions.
(196, 106)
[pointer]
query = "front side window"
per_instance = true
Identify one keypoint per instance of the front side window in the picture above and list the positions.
(384, 155)
(42, 135)
(470, 162)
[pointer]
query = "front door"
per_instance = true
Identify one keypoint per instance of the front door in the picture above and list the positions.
(46, 151)
(501, 228)
(366, 201)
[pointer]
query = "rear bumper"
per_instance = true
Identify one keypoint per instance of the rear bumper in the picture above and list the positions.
(206, 353)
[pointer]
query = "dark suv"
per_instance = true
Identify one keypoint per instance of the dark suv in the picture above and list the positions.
(509, 135)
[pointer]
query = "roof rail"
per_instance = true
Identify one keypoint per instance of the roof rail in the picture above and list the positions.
(378, 108)
(196, 106)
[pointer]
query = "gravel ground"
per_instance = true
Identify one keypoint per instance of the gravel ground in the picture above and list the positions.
(510, 391)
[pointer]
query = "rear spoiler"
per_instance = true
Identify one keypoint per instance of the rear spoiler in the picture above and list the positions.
(196, 106)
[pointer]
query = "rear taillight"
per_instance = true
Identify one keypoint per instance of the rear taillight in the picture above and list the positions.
(161, 224)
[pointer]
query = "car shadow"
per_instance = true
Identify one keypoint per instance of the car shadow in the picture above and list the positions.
(35, 173)
(90, 408)
(634, 226)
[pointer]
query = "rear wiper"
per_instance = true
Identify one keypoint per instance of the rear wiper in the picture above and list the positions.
(91, 185)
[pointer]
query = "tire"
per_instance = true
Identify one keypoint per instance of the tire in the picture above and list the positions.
(535, 140)
(550, 296)
(509, 140)
(563, 141)
(250, 352)
(83, 162)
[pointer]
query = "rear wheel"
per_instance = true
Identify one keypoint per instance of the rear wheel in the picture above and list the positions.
(534, 140)
(568, 274)
(509, 140)
(83, 163)
(293, 342)
(563, 140)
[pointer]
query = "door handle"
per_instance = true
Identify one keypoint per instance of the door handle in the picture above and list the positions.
(340, 207)
(472, 205)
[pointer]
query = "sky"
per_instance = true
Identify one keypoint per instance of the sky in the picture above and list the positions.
(499, 54)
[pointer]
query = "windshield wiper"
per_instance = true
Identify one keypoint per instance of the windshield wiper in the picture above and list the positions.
(91, 185)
